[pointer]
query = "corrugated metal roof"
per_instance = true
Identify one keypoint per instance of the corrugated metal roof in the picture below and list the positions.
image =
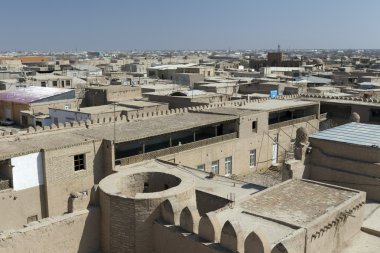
(314, 79)
(352, 133)
(30, 94)
(369, 85)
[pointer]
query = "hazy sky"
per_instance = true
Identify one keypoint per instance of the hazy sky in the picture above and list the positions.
(188, 24)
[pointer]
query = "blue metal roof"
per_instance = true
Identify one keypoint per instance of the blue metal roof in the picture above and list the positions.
(352, 133)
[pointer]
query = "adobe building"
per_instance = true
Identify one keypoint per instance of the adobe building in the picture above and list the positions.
(57, 81)
(167, 71)
(186, 98)
(94, 185)
(338, 109)
(156, 206)
(275, 59)
(72, 157)
(103, 95)
(347, 155)
(205, 71)
(116, 109)
(187, 79)
(229, 88)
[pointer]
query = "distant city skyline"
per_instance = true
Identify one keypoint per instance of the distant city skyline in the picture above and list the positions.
(188, 25)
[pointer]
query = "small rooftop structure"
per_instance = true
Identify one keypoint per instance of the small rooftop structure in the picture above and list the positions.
(86, 67)
(188, 93)
(314, 79)
(369, 85)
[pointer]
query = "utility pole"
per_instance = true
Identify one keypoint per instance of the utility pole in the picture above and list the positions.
(114, 123)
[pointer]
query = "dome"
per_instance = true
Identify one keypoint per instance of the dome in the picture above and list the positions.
(318, 61)
(302, 135)
(354, 117)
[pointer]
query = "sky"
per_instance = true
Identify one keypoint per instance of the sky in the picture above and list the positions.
(110, 25)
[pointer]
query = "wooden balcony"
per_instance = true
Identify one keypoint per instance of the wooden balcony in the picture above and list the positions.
(174, 149)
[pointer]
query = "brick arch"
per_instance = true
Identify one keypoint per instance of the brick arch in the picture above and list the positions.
(187, 220)
(279, 248)
(256, 242)
(167, 212)
(209, 228)
(229, 237)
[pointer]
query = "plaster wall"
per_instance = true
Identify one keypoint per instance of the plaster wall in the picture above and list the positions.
(62, 116)
(240, 148)
(62, 179)
(330, 232)
(347, 151)
(27, 171)
(77, 233)
(17, 206)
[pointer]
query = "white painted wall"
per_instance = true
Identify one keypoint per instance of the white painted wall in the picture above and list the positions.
(66, 116)
(27, 171)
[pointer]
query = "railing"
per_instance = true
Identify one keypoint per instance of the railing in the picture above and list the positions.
(174, 149)
(292, 122)
(5, 184)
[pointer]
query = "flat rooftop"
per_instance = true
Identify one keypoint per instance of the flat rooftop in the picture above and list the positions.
(113, 87)
(17, 145)
(139, 103)
(297, 202)
(14, 146)
(277, 105)
(184, 93)
(344, 102)
(102, 109)
(352, 133)
(220, 85)
(136, 130)
(161, 86)
(231, 111)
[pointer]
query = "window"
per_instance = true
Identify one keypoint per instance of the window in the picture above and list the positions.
(146, 187)
(252, 158)
(68, 83)
(55, 83)
(215, 167)
(63, 83)
(43, 84)
(32, 218)
(201, 167)
(375, 115)
(79, 162)
(228, 165)
(254, 125)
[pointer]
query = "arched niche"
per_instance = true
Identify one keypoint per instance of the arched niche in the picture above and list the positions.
(187, 220)
(167, 212)
(229, 237)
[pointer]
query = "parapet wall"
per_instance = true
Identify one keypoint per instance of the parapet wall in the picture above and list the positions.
(137, 116)
(75, 232)
(147, 115)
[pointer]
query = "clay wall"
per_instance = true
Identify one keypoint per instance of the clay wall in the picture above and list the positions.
(76, 232)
